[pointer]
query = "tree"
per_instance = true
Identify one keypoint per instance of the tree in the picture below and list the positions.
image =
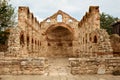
(7, 19)
(105, 22)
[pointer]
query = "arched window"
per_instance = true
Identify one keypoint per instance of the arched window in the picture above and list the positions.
(49, 44)
(32, 41)
(32, 45)
(70, 20)
(83, 40)
(86, 37)
(59, 18)
(22, 39)
(27, 40)
(95, 39)
(48, 20)
(90, 38)
(70, 44)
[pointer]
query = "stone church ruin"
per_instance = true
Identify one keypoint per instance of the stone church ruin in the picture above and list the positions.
(83, 43)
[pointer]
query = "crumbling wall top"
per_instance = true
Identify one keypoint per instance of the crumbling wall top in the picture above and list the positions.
(92, 11)
(63, 14)
(25, 15)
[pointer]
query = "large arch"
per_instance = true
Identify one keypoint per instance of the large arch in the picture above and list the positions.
(60, 40)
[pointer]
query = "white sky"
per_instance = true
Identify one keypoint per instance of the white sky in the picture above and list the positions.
(76, 8)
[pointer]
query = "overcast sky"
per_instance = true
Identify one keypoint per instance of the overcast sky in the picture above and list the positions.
(76, 8)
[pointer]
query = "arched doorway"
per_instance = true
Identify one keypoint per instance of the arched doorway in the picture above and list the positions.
(59, 40)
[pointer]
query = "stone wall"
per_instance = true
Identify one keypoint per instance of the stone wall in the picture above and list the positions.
(23, 66)
(58, 35)
(94, 65)
(29, 32)
(93, 41)
(13, 43)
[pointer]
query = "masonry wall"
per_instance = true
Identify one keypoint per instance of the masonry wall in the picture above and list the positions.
(93, 40)
(54, 47)
(15, 66)
(94, 65)
(77, 38)
(29, 32)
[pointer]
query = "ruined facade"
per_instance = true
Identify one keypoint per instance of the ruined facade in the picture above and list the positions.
(59, 35)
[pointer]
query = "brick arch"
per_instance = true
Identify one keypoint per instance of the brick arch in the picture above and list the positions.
(61, 36)
(94, 37)
(60, 24)
(66, 31)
